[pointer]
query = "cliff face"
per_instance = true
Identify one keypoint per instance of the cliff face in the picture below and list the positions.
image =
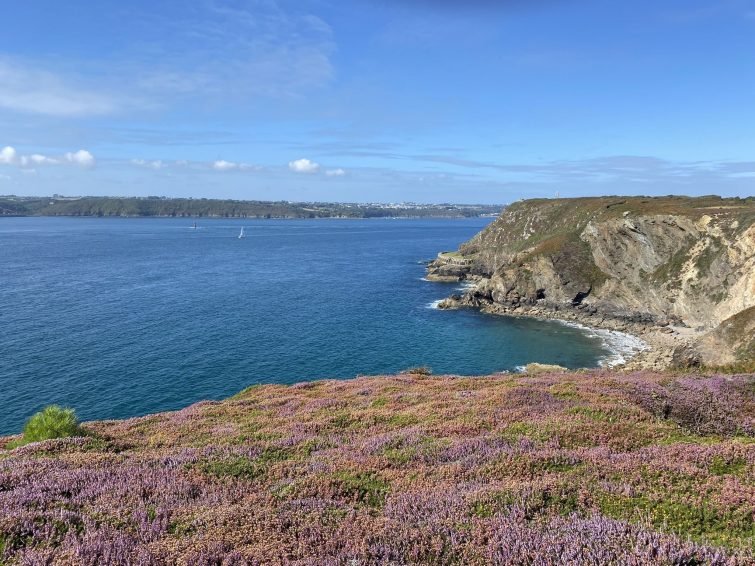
(688, 262)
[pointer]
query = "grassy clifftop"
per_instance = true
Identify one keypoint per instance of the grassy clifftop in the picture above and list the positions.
(583, 468)
(543, 226)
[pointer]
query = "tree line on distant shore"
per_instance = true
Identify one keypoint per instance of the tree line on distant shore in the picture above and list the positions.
(212, 208)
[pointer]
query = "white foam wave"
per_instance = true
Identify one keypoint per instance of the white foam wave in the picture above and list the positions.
(434, 304)
(622, 346)
(466, 286)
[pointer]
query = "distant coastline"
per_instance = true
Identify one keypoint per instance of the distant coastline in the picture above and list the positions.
(161, 207)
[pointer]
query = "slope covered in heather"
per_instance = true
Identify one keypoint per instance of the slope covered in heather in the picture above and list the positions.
(578, 468)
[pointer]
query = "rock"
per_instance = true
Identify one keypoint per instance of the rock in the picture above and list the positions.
(685, 357)
(536, 369)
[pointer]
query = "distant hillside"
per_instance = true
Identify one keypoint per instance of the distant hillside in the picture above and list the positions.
(210, 208)
(684, 262)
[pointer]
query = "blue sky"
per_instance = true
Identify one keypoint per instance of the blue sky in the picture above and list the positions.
(377, 100)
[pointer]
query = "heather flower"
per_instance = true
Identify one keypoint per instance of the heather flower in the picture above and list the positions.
(569, 468)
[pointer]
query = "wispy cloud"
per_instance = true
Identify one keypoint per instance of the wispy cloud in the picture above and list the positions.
(210, 52)
(223, 165)
(150, 164)
(231, 51)
(219, 165)
(37, 159)
(166, 137)
(26, 88)
(637, 168)
(335, 172)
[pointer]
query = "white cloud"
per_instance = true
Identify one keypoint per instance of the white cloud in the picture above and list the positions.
(335, 172)
(37, 159)
(155, 164)
(218, 165)
(223, 165)
(8, 155)
(25, 89)
(82, 158)
(304, 166)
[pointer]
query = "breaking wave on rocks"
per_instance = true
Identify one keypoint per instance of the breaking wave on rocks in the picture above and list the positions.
(466, 286)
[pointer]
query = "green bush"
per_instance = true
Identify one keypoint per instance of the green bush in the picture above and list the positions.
(51, 422)
(365, 487)
(421, 370)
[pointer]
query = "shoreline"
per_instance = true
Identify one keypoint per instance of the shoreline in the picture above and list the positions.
(622, 346)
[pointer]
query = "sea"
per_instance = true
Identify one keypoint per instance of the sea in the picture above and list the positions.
(120, 317)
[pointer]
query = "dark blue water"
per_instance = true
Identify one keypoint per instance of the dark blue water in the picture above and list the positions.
(122, 317)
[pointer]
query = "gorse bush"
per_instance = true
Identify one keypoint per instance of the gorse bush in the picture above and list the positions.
(51, 422)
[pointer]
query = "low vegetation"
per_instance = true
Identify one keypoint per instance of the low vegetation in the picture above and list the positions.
(577, 468)
(50, 423)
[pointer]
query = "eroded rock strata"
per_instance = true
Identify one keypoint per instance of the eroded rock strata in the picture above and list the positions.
(677, 271)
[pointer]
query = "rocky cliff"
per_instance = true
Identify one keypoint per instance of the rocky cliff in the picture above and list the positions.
(683, 265)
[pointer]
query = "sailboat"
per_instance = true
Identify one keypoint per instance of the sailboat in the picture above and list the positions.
(241, 234)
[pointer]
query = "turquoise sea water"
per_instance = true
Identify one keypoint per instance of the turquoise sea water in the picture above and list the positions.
(122, 317)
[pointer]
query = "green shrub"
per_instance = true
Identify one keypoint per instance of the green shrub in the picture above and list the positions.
(365, 487)
(420, 370)
(237, 467)
(242, 467)
(51, 422)
(721, 467)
